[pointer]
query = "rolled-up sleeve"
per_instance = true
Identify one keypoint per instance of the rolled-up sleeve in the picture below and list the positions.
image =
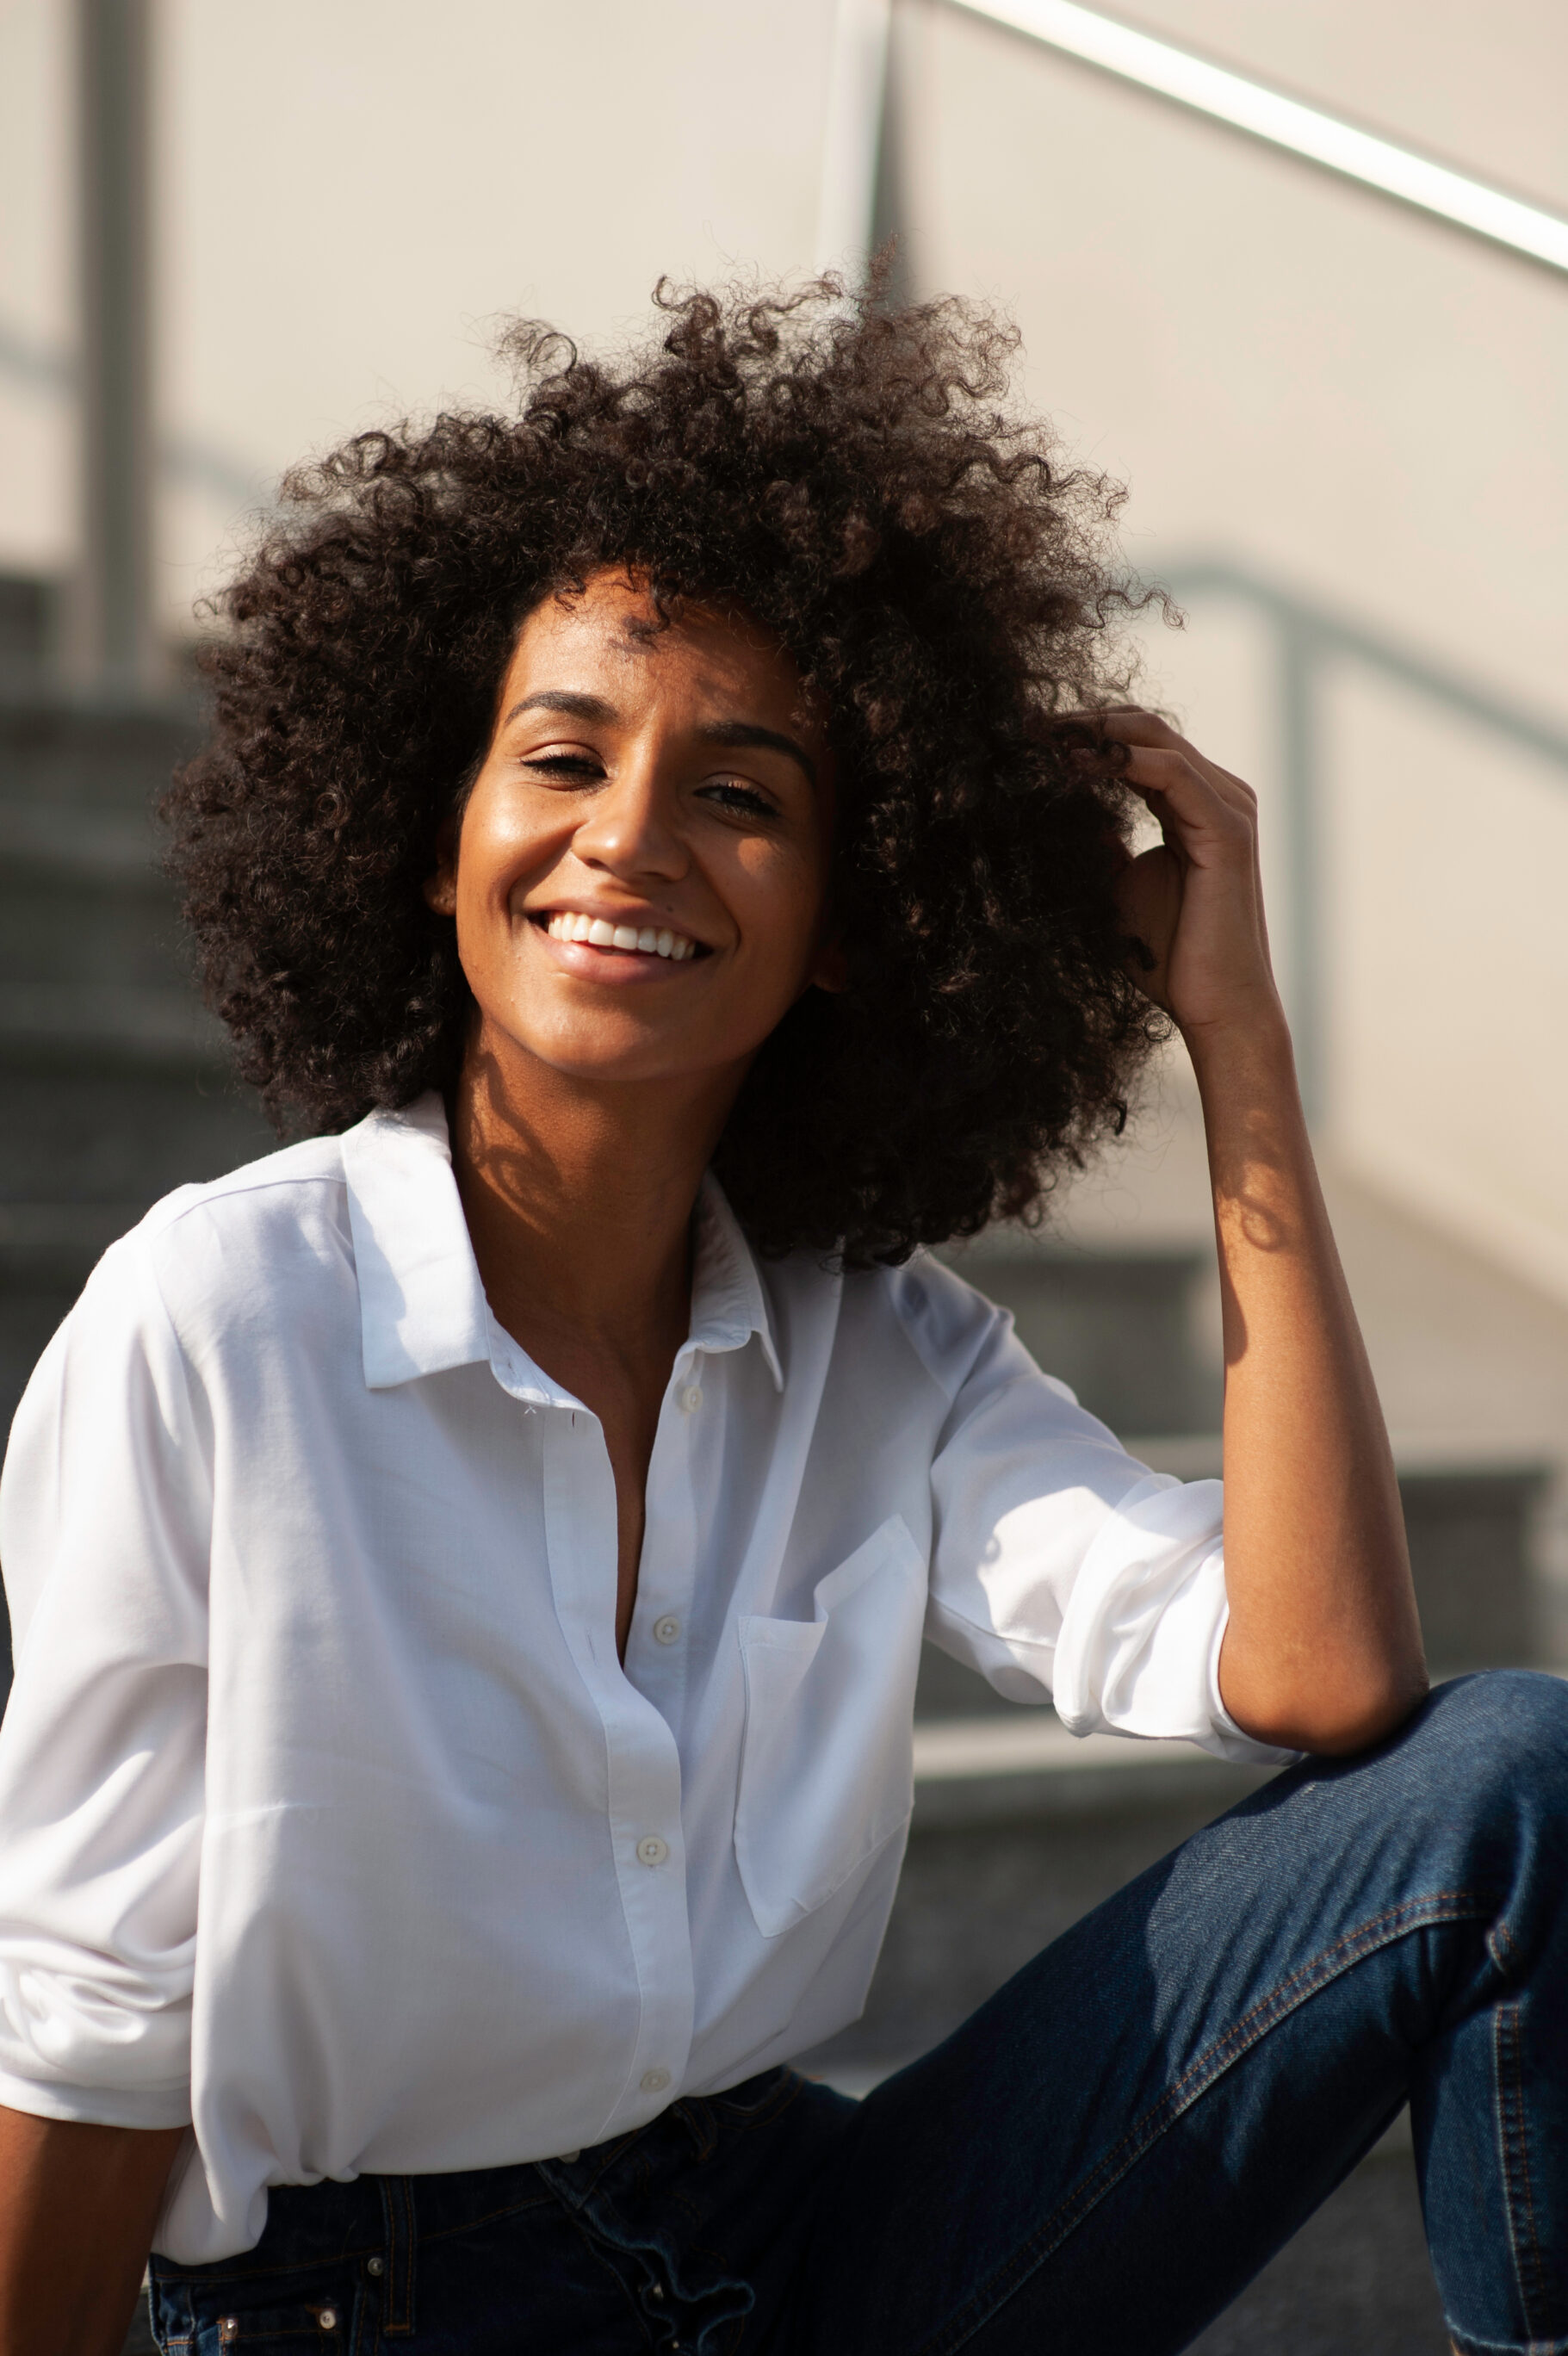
(104, 1530)
(1062, 1567)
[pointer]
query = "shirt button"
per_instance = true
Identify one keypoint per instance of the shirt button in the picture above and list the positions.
(327, 2319)
(655, 2080)
(375, 2267)
(653, 1851)
(666, 1630)
(691, 1399)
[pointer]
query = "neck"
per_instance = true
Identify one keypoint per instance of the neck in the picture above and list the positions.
(579, 1195)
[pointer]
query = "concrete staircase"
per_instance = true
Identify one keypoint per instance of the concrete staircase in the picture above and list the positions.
(1126, 1330)
(114, 1082)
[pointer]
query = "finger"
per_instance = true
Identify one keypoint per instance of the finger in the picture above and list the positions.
(1180, 791)
(1130, 724)
(1124, 723)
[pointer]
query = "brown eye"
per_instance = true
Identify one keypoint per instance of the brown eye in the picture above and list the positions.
(730, 794)
(570, 768)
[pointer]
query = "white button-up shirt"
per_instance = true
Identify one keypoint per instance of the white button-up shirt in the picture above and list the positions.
(330, 1820)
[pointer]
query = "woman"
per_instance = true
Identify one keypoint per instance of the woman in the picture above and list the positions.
(469, 1568)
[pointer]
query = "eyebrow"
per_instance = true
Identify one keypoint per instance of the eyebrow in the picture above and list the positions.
(737, 735)
(561, 698)
(742, 735)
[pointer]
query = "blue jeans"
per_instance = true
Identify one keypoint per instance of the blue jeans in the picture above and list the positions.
(1098, 2161)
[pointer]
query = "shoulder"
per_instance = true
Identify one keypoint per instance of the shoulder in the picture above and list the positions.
(202, 1296)
(280, 1187)
(207, 1259)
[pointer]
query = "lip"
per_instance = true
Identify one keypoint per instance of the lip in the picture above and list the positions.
(619, 969)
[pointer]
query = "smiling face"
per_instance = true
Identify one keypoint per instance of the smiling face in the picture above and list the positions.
(641, 872)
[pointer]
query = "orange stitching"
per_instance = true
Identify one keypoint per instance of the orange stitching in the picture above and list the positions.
(1516, 2159)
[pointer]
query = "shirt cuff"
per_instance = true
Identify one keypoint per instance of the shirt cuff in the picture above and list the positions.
(97, 2106)
(1229, 1742)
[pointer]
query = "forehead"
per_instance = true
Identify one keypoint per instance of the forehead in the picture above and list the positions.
(612, 632)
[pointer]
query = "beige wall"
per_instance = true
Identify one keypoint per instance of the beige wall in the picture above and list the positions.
(1367, 406)
(1275, 361)
(1283, 368)
(352, 192)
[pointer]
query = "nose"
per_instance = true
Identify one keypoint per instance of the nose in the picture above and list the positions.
(632, 826)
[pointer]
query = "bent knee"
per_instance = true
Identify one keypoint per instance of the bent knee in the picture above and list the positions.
(1508, 1724)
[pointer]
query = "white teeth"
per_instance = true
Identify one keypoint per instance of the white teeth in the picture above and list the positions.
(566, 924)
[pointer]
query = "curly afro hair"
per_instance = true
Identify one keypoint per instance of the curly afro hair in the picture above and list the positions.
(856, 480)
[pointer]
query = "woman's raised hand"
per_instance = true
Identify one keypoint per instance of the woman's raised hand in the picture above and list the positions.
(1195, 899)
(1322, 1651)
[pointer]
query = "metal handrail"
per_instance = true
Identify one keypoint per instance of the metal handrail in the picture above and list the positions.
(1242, 102)
(1307, 639)
(1388, 168)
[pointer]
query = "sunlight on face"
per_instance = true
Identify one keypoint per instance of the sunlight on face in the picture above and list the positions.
(641, 874)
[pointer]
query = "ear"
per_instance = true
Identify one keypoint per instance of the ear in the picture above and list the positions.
(441, 887)
(831, 971)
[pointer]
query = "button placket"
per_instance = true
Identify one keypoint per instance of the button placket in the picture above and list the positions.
(645, 1774)
(657, 1658)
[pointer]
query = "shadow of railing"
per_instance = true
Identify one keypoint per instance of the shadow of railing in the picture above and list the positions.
(1310, 640)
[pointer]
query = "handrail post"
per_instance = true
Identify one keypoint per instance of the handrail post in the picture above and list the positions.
(112, 638)
(852, 139)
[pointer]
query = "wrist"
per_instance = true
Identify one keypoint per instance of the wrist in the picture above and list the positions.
(1251, 1043)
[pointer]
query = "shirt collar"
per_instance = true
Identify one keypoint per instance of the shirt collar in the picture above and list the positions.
(729, 1300)
(422, 1306)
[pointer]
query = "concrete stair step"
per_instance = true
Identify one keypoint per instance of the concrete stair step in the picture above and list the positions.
(1120, 1328)
(121, 1132)
(29, 620)
(85, 1024)
(91, 755)
(79, 844)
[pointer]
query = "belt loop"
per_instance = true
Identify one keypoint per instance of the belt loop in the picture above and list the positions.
(398, 2215)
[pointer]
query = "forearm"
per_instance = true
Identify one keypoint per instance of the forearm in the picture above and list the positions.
(77, 2205)
(1323, 1650)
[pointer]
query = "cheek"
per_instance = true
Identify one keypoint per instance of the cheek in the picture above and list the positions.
(779, 896)
(499, 853)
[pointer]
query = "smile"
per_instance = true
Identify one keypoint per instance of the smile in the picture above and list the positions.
(645, 940)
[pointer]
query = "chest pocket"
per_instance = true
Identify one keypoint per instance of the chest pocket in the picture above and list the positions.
(827, 1769)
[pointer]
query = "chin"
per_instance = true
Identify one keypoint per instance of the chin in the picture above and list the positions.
(604, 1057)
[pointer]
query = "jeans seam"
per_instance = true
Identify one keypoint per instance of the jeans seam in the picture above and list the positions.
(201, 2279)
(491, 2217)
(1351, 1947)
(403, 2234)
(1513, 2153)
(1470, 2347)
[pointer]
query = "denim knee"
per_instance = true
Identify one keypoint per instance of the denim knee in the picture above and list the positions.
(1500, 1732)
